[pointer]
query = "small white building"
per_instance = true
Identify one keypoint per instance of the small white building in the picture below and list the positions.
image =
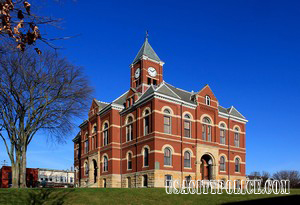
(56, 176)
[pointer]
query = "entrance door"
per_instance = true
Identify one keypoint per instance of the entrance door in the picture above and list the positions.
(95, 171)
(206, 167)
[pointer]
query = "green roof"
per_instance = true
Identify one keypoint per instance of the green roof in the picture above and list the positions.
(146, 50)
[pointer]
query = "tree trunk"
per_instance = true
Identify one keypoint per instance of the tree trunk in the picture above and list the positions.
(23, 169)
(15, 168)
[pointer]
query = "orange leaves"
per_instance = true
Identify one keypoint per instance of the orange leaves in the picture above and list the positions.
(21, 46)
(38, 51)
(27, 7)
(25, 32)
(20, 25)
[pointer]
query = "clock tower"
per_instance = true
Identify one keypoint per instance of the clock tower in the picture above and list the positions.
(146, 68)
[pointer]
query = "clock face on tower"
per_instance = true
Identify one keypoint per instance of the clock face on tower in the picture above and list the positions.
(137, 73)
(152, 72)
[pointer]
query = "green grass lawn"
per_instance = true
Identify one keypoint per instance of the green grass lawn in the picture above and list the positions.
(131, 196)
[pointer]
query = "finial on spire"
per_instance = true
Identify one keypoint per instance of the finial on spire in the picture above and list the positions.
(147, 35)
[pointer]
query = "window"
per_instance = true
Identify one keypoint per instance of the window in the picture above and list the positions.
(86, 170)
(168, 180)
(71, 179)
(238, 184)
(167, 121)
(187, 126)
(129, 182)
(222, 134)
(105, 164)
(105, 134)
(147, 122)
(86, 146)
(93, 142)
(145, 180)
(222, 163)
(154, 82)
(187, 181)
(206, 129)
(237, 164)
(207, 100)
(149, 81)
(167, 157)
(129, 129)
(129, 161)
(104, 183)
(236, 137)
(187, 159)
(95, 129)
(146, 157)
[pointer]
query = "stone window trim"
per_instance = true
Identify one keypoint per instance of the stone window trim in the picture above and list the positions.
(127, 157)
(105, 166)
(225, 161)
(143, 154)
(146, 116)
(207, 100)
(168, 156)
(189, 166)
(237, 159)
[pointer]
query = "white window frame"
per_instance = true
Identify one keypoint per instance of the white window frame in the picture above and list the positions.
(207, 100)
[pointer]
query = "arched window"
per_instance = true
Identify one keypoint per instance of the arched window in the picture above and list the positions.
(105, 134)
(167, 157)
(86, 169)
(95, 129)
(222, 134)
(146, 157)
(167, 121)
(207, 100)
(129, 129)
(187, 125)
(237, 164)
(206, 129)
(86, 146)
(222, 164)
(187, 159)
(93, 142)
(146, 122)
(129, 160)
(104, 183)
(236, 137)
(105, 164)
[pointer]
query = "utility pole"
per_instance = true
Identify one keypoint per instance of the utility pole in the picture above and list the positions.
(4, 163)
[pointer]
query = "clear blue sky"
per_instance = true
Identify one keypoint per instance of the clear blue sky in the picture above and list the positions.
(247, 51)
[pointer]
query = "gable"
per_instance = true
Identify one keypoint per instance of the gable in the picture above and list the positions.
(94, 105)
(206, 90)
(131, 92)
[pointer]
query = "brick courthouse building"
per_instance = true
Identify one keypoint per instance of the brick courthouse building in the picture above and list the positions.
(155, 131)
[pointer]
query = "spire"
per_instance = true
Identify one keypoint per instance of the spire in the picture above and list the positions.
(146, 50)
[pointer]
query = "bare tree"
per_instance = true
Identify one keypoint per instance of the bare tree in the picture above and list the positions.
(265, 176)
(292, 175)
(38, 93)
(255, 174)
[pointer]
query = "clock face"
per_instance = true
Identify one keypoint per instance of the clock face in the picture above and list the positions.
(137, 73)
(152, 72)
